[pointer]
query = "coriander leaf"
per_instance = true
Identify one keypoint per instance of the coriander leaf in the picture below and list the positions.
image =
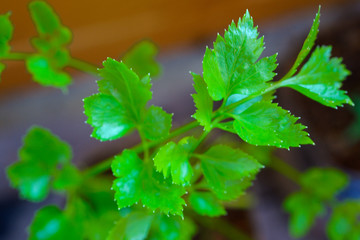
(321, 78)
(205, 203)
(94, 204)
(120, 105)
(6, 32)
(44, 73)
(171, 228)
(107, 116)
(48, 23)
(32, 180)
(68, 177)
(265, 123)
(141, 58)
(344, 222)
(228, 171)
(324, 183)
(134, 226)
(232, 67)
(123, 84)
(136, 181)
(236, 98)
(157, 123)
(174, 158)
(127, 168)
(303, 209)
(50, 223)
(307, 46)
(203, 102)
(160, 193)
(36, 165)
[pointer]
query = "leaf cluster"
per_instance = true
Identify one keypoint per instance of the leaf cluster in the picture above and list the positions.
(174, 173)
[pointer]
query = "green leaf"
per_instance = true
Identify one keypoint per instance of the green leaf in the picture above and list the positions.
(203, 102)
(228, 171)
(174, 158)
(134, 226)
(265, 123)
(48, 23)
(307, 46)
(50, 223)
(44, 73)
(96, 205)
(127, 168)
(157, 123)
(321, 78)
(121, 103)
(6, 32)
(136, 181)
(233, 66)
(36, 165)
(303, 209)
(47, 65)
(141, 59)
(31, 179)
(171, 228)
(206, 204)
(69, 177)
(324, 183)
(344, 222)
(160, 193)
(107, 116)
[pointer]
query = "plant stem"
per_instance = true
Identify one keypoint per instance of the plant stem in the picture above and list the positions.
(73, 62)
(106, 164)
(144, 144)
(221, 226)
(16, 56)
(285, 169)
(83, 66)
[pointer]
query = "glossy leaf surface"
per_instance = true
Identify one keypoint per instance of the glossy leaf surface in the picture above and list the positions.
(321, 78)
(265, 123)
(206, 204)
(174, 159)
(228, 171)
(135, 182)
(230, 69)
(203, 102)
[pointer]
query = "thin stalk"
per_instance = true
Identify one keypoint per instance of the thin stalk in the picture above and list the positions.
(83, 66)
(145, 145)
(16, 56)
(73, 62)
(106, 164)
(285, 169)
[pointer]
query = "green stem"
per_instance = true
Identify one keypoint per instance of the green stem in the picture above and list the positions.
(83, 66)
(221, 226)
(145, 145)
(16, 56)
(106, 164)
(285, 169)
(73, 62)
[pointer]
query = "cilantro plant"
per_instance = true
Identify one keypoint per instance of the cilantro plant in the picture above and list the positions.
(165, 185)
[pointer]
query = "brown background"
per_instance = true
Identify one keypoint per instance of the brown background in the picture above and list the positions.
(107, 28)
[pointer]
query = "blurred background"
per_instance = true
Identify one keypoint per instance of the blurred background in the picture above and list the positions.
(182, 30)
